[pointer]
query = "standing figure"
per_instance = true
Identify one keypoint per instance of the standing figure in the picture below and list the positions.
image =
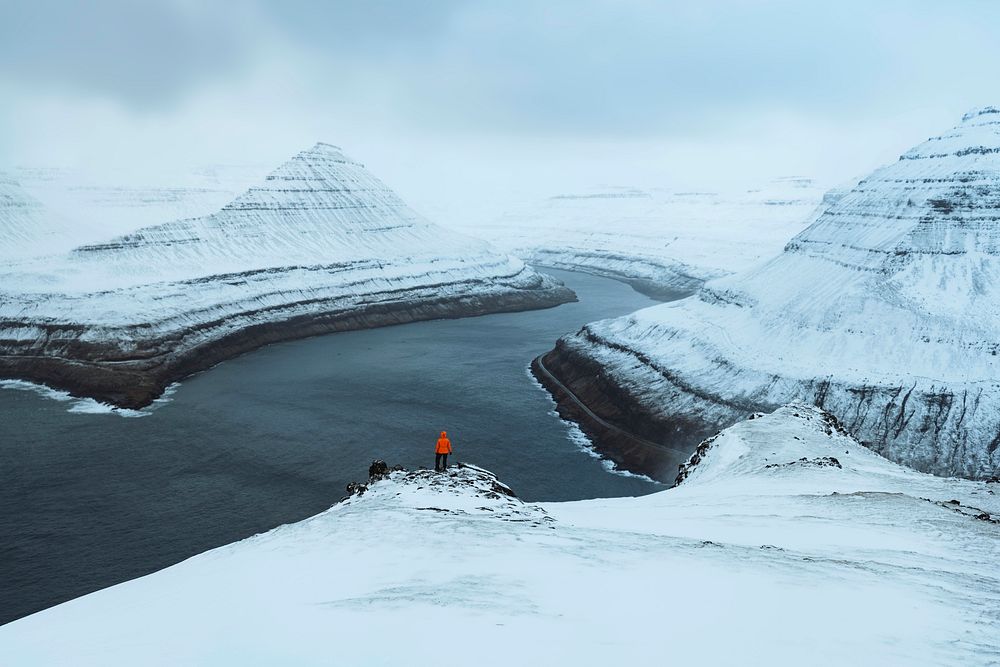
(442, 451)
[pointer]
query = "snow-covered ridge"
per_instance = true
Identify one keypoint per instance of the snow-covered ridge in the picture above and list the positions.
(885, 311)
(27, 228)
(766, 552)
(663, 242)
(320, 245)
(118, 201)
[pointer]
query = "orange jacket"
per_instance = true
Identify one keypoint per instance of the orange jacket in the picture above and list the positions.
(443, 444)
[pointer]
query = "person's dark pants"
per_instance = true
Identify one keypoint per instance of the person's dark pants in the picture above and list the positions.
(440, 462)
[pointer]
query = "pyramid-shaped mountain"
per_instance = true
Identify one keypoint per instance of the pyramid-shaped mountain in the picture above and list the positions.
(885, 311)
(321, 245)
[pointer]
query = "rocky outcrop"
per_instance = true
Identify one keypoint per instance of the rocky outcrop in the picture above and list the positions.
(885, 312)
(463, 490)
(320, 246)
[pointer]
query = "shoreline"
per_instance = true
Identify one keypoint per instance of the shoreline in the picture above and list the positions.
(613, 436)
(136, 384)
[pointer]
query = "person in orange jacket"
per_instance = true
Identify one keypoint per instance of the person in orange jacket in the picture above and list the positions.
(442, 451)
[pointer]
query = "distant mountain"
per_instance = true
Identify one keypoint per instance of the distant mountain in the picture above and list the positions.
(885, 311)
(663, 242)
(120, 201)
(321, 245)
(27, 228)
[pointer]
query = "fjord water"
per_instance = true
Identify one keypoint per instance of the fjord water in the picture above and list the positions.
(90, 500)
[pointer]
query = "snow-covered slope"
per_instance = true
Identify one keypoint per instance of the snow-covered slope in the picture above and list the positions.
(321, 245)
(116, 201)
(662, 242)
(885, 311)
(29, 229)
(787, 544)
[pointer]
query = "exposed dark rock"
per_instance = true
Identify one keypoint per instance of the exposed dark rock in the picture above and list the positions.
(98, 370)
(356, 489)
(818, 462)
(618, 430)
(379, 469)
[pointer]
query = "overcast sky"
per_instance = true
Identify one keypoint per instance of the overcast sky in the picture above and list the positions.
(456, 102)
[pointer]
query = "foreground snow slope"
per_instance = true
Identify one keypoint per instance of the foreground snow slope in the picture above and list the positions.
(885, 311)
(661, 242)
(766, 554)
(321, 245)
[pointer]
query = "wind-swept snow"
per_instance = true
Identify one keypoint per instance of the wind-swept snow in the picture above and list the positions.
(321, 245)
(885, 311)
(787, 544)
(29, 229)
(663, 242)
(118, 201)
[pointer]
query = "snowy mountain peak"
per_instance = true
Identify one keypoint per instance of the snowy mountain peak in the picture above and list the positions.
(976, 137)
(319, 246)
(322, 188)
(320, 153)
(885, 311)
(983, 111)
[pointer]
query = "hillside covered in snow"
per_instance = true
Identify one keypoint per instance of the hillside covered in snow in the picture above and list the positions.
(29, 229)
(320, 245)
(787, 542)
(117, 201)
(885, 311)
(664, 243)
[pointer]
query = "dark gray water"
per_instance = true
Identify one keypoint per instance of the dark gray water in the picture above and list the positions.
(90, 500)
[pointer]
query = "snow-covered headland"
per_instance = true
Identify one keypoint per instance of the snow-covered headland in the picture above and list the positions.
(885, 311)
(320, 245)
(787, 542)
(664, 243)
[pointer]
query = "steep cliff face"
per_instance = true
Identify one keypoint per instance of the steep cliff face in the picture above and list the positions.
(665, 243)
(885, 311)
(321, 245)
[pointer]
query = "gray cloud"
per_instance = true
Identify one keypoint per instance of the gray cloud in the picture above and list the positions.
(450, 98)
(146, 54)
(635, 66)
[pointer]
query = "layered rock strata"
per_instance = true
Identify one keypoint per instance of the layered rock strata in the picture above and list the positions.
(885, 312)
(320, 246)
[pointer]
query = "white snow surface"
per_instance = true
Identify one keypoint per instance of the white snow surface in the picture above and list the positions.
(762, 556)
(886, 311)
(670, 239)
(117, 201)
(319, 234)
(28, 228)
